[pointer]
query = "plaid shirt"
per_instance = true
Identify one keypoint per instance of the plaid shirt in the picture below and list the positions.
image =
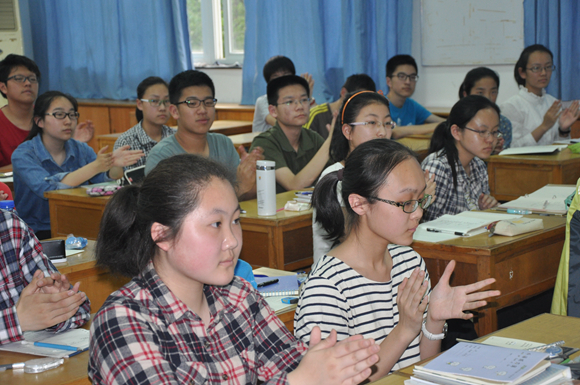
(20, 256)
(448, 199)
(137, 138)
(144, 334)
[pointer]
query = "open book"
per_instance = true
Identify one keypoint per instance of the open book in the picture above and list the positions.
(533, 150)
(550, 198)
(73, 338)
(464, 224)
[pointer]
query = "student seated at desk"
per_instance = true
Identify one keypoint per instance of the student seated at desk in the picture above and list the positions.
(364, 116)
(537, 118)
(19, 78)
(455, 157)
(184, 318)
(300, 154)
(373, 283)
(411, 117)
(275, 67)
(322, 114)
(152, 113)
(51, 160)
(485, 82)
(33, 295)
(192, 96)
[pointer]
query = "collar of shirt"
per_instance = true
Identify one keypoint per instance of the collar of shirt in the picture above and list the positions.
(43, 153)
(219, 299)
(530, 97)
(305, 143)
(144, 139)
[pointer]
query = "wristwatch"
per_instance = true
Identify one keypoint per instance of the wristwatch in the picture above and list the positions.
(431, 336)
(563, 133)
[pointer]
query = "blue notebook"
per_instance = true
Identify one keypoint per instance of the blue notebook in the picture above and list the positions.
(287, 285)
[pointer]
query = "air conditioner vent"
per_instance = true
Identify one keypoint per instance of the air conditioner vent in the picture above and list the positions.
(8, 16)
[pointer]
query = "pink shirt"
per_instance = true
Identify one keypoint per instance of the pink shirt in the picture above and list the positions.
(10, 138)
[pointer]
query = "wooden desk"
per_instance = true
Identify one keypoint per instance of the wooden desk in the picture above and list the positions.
(72, 211)
(244, 139)
(418, 143)
(512, 176)
(282, 241)
(97, 282)
(524, 265)
(544, 328)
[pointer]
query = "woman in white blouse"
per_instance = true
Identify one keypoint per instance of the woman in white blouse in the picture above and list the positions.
(537, 118)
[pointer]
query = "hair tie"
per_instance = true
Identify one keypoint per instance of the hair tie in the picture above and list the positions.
(346, 104)
(339, 174)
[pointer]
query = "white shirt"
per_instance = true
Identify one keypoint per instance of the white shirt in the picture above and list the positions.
(321, 245)
(260, 113)
(526, 112)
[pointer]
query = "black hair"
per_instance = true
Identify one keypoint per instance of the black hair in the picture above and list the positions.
(365, 172)
(12, 61)
(473, 77)
(399, 60)
(360, 82)
(124, 243)
(278, 64)
(461, 113)
(189, 78)
(339, 146)
(277, 84)
(41, 106)
(142, 88)
(523, 60)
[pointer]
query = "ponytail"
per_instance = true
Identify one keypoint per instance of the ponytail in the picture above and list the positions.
(122, 245)
(443, 140)
(328, 211)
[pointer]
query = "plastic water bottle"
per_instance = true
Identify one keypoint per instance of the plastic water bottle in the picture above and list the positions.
(266, 187)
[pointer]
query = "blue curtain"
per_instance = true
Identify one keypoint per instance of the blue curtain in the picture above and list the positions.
(103, 49)
(330, 39)
(556, 25)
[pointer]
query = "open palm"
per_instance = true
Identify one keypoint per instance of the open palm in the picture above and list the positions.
(448, 302)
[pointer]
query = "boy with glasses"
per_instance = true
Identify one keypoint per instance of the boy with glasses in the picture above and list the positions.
(192, 98)
(300, 154)
(411, 117)
(19, 77)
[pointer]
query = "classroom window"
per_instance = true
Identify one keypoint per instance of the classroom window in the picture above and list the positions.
(216, 31)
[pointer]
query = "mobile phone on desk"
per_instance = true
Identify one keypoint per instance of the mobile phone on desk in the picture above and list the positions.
(55, 250)
(135, 175)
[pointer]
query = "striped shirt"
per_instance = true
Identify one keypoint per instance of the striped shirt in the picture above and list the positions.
(337, 297)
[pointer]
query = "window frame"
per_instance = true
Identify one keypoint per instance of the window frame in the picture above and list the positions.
(216, 50)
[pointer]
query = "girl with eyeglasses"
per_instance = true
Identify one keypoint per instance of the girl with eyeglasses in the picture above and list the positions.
(152, 113)
(184, 318)
(51, 160)
(537, 118)
(373, 283)
(363, 116)
(485, 82)
(455, 157)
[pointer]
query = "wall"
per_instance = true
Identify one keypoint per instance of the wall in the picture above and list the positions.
(227, 82)
(438, 86)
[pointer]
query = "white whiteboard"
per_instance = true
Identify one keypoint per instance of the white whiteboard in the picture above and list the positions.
(465, 32)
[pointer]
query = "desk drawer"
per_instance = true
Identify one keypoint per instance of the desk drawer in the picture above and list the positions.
(528, 274)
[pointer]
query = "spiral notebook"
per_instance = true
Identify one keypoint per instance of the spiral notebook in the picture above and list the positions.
(287, 285)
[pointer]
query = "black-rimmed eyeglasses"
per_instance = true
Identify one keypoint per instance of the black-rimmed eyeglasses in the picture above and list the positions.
(194, 103)
(409, 206)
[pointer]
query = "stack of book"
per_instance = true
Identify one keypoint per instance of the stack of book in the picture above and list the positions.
(479, 364)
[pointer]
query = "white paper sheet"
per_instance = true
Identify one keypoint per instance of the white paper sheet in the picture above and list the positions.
(533, 150)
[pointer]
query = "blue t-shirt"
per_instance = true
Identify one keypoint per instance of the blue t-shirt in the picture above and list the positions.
(36, 172)
(411, 113)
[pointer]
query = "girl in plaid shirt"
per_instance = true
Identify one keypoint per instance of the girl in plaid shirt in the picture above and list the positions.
(455, 157)
(185, 318)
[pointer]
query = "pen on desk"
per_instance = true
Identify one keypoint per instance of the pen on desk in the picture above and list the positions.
(545, 204)
(18, 365)
(268, 283)
(56, 346)
(77, 352)
(303, 193)
(446, 232)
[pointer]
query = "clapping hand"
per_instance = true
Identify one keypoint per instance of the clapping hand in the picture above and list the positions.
(569, 115)
(448, 302)
(124, 156)
(84, 131)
